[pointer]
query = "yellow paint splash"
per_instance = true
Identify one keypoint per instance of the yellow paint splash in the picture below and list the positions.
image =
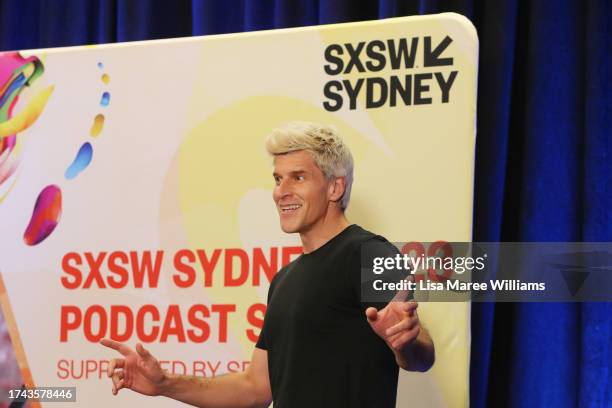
(105, 78)
(27, 116)
(97, 126)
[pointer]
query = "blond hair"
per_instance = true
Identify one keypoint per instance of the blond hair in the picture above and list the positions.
(324, 143)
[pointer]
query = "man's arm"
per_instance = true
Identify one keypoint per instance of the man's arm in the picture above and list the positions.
(250, 388)
(141, 372)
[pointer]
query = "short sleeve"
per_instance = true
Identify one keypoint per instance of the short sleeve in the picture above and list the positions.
(261, 341)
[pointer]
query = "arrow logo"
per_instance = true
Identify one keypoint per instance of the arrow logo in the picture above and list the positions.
(432, 58)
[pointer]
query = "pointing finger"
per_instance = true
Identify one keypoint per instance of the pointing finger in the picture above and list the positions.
(121, 348)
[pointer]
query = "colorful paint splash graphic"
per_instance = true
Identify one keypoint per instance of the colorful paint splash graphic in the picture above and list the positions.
(16, 73)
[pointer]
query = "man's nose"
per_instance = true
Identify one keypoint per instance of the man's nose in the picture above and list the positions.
(283, 189)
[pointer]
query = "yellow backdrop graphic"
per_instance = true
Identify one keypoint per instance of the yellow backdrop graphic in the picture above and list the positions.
(143, 209)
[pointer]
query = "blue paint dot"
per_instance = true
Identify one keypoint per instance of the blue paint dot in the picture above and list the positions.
(100, 65)
(80, 162)
(105, 99)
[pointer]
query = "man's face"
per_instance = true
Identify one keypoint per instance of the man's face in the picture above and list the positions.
(301, 191)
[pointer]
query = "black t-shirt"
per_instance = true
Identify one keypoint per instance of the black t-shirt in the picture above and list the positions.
(322, 351)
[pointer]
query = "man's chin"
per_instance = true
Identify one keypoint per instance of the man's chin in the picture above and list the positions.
(289, 228)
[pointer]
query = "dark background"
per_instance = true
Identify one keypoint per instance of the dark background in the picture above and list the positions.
(543, 169)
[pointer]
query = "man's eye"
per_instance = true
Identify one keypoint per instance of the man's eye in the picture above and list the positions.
(277, 180)
(299, 178)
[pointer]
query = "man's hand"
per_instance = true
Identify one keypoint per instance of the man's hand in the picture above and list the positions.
(137, 370)
(399, 326)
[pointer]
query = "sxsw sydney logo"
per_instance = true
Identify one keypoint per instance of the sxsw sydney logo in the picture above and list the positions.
(393, 72)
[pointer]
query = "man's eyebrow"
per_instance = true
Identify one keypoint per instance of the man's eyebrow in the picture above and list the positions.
(291, 173)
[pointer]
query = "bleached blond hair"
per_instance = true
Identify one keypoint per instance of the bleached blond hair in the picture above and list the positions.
(324, 143)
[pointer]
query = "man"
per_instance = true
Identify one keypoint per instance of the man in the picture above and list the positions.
(320, 345)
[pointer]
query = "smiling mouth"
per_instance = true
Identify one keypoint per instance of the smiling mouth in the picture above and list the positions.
(290, 208)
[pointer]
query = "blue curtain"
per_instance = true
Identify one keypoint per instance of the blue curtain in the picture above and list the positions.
(543, 151)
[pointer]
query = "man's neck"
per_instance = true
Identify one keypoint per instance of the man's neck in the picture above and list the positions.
(322, 232)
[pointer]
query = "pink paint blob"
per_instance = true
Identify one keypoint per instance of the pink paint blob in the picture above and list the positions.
(46, 215)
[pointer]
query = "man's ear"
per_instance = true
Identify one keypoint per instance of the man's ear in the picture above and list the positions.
(337, 188)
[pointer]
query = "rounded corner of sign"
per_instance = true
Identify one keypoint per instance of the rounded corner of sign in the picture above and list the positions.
(464, 22)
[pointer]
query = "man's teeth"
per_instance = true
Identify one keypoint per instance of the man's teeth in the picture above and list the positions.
(290, 207)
